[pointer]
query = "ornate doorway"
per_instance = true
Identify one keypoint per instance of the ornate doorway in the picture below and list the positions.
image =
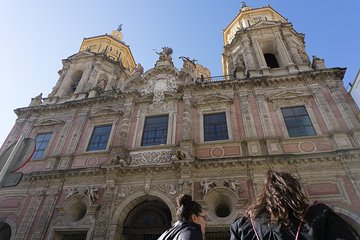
(147, 221)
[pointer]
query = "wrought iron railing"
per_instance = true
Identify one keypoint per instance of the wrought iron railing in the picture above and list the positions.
(212, 79)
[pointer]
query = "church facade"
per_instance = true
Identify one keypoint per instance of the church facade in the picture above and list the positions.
(115, 145)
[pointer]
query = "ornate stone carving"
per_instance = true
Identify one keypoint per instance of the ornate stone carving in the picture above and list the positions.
(36, 101)
(185, 186)
(138, 70)
(71, 191)
(150, 157)
(207, 185)
(188, 64)
(165, 54)
(159, 85)
(90, 192)
(120, 156)
(233, 185)
(317, 63)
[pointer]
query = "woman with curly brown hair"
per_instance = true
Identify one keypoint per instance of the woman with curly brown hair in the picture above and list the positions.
(282, 212)
(191, 221)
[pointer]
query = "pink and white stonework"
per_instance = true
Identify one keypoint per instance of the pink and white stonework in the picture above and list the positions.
(127, 189)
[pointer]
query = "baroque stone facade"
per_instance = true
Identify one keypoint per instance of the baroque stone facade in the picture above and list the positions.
(75, 191)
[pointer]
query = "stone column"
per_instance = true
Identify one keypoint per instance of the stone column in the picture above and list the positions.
(105, 212)
(124, 123)
(265, 118)
(248, 120)
(259, 54)
(84, 79)
(283, 52)
(187, 120)
(65, 84)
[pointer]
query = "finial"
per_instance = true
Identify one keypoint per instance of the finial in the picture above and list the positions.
(243, 4)
(119, 28)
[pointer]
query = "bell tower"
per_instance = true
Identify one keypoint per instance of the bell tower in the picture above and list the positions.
(261, 42)
(101, 64)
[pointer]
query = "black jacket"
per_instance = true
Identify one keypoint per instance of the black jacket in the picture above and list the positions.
(182, 230)
(321, 224)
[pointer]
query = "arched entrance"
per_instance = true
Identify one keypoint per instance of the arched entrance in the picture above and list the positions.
(5, 231)
(147, 220)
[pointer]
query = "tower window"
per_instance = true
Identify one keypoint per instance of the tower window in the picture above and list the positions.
(298, 122)
(155, 130)
(99, 138)
(271, 60)
(215, 127)
(42, 140)
(75, 80)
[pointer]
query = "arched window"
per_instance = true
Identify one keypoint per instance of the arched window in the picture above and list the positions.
(75, 81)
(271, 60)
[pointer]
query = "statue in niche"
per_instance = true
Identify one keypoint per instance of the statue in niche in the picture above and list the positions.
(165, 54)
(100, 86)
(206, 186)
(249, 59)
(239, 64)
(188, 63)
(138, 70)
(36, 101)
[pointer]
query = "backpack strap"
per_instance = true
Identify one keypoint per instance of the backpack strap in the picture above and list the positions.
(253, 225)
(298, 231)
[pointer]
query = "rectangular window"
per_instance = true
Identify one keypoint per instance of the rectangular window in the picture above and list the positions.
(215, 127)
(99, 138)
(155, 130)
(42, 140)
(298, 122)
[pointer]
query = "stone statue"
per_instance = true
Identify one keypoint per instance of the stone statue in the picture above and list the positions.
(138, 70)
(234, 185)
(36, 101)
(317, 63)
(92, 193)
(188, 64)
(119, 28)
(239, 64)
(206, 186)
(165, 54)
(71, 191)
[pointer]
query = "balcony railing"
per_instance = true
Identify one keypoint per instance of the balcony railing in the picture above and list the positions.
(213, 79)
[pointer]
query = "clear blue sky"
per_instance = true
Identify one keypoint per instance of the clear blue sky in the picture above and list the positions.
(36, 35)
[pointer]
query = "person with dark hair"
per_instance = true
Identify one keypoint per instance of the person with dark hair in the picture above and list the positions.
(191, 221)
(282, 212)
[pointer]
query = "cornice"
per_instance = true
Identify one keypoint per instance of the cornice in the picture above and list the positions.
(107, 97)
(312, 76)
(245, 161)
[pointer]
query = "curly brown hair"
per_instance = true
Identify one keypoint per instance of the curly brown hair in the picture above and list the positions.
(281, 200)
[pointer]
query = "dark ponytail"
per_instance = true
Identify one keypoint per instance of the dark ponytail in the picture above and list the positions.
(187, 207)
